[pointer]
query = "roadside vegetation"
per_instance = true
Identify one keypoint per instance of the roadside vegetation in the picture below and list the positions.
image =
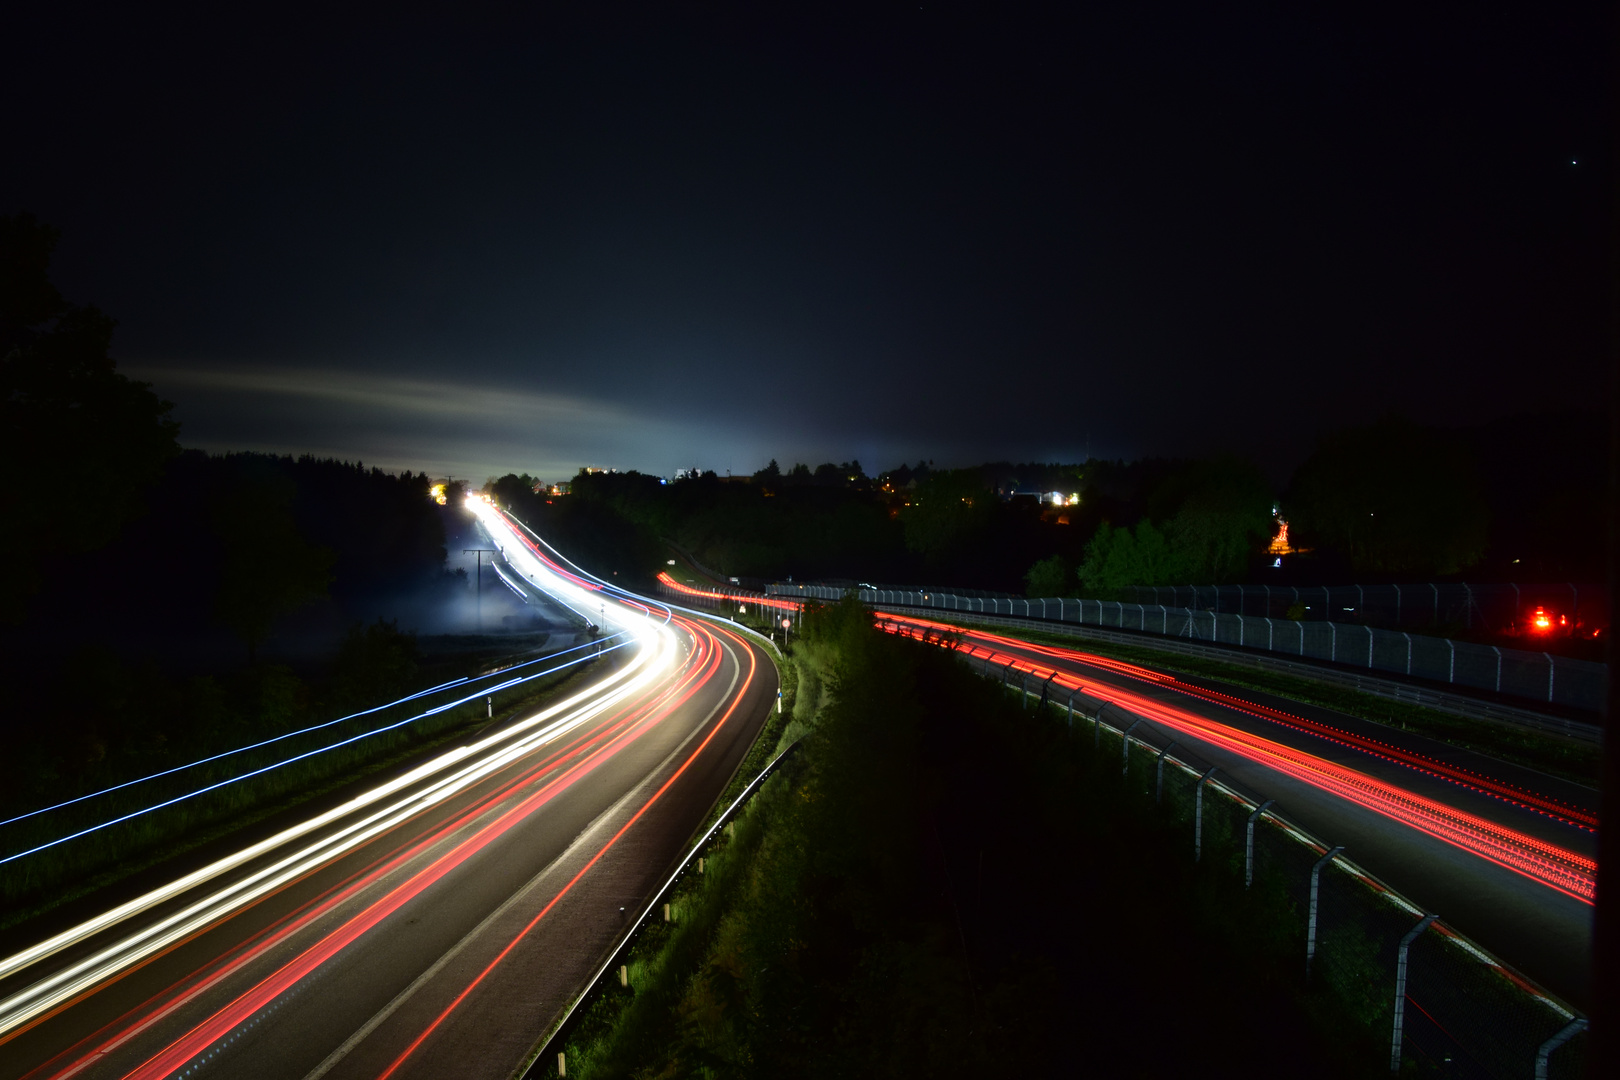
(945, 883)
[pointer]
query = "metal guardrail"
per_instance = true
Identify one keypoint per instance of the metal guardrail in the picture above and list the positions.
(109, 820)
(535, 1064)
(1579, 684)
(1445, 1001)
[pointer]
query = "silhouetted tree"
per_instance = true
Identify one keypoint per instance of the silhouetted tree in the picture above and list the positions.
(269, 569)
(83, 442)
(1396, 498)
(948, 514)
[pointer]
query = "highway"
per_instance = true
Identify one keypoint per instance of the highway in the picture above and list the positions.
(1501, 852)
(431, 923)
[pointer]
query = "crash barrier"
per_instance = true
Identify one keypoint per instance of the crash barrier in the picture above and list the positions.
(108, 825)
(1534, 676)
(547, 1058)
(1441, 1000)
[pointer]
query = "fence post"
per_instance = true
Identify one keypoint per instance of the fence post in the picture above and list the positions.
(1498, 651)
(1400, 990)
(1248, 843)
(1198, 816)
(1158, 782)
(1125, 748)
(1566, 1033)
(1270, 633)
(1369, 648)
(1023, 693)
(1408, 638)
(1310, 926)
(1451, 672)
(1552, 670)
(1333, 642)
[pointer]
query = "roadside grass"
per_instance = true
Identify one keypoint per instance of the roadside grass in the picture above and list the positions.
(56, 876)
(890, 904)
(1563, 758)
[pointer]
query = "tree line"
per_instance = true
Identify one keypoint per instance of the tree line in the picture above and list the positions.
(1517, 499)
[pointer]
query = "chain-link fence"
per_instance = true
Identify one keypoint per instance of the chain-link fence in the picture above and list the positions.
(1445, 1005)
(1422, 605)
(1534, 676)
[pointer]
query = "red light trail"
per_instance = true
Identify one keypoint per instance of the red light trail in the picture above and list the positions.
(758, 601)
(1566, 871)
(607, 740)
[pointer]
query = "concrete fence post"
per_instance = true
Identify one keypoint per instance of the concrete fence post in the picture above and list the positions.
(1125, 748)
(1552, 672)
(1451, 671)
(562, 1063)
(1566, 1033)
(1400, 990)
(1316, 888)
(1270, 633)
(1198, 816)
(1158, 778)
(1498, 651)
(624, 975)
(1408, 638)
(1248, 842)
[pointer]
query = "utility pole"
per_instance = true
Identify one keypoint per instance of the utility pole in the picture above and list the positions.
(478, 589)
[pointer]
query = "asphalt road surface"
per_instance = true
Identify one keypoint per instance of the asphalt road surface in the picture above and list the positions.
(433, 924)
(1533, 917)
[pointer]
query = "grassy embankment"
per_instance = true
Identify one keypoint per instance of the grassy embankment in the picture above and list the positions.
(1548, 753)
(945, 884)
(38, 883)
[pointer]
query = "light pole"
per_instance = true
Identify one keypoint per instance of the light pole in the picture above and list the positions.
(478, 589)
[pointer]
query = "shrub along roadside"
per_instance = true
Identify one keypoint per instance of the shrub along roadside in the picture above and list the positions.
(1564, 758)
(55, 877)
(946, 885)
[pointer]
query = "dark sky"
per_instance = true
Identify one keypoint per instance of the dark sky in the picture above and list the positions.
(489, 240)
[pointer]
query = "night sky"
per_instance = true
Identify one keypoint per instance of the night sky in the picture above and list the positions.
(492, 241)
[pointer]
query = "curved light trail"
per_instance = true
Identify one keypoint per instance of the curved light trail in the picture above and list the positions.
(1566, 871)
(677, 691)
